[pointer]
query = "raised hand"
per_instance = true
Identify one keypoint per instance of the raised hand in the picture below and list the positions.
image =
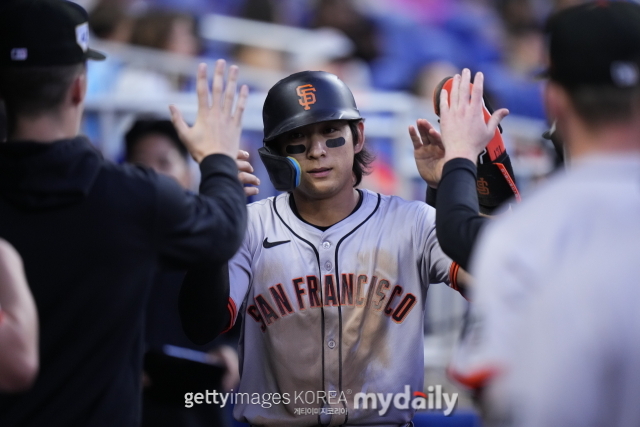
(218, 126)
(245, 174)
(464, 131)
(428, 151)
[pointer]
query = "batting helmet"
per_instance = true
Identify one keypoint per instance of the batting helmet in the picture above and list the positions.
(295, 101)
(305, 98)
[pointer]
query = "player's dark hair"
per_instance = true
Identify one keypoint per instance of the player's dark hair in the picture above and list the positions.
(147, 126)
(362, 160)
(31, 91)
(597, 105)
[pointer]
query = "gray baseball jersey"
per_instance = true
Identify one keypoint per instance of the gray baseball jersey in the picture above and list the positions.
(556, 302)
(329, 314)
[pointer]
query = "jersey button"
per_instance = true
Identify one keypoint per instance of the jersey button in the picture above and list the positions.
(326, 245)
(331, 344)
(327, 265)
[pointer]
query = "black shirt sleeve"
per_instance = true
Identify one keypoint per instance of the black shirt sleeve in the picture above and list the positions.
(457, 219)
(210, 226)
(204, 296)
(201, 232)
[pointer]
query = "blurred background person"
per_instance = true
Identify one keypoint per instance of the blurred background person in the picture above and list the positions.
(171, 32)
(19, 359)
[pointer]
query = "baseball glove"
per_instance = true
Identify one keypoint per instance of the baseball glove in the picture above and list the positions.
(496, 182)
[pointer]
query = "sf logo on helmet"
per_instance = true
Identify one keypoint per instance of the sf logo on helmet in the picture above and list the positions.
(307, 97)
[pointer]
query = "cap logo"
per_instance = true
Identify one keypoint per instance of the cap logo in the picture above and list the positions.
(307, 97)
(19, 54)
(82, 36)
(624, 74)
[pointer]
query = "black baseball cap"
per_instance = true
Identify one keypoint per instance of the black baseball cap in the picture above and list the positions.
(595, 44)
(44, 33)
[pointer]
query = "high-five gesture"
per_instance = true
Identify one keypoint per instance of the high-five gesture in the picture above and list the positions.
(428, 151)
(218, 125)
(464, 131)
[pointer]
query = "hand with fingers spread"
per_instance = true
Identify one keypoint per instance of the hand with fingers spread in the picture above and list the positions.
(428, 151)
(464, 131)
(218, 126)
(245, 174)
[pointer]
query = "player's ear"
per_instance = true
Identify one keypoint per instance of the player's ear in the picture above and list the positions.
(556, 100)
(78, 89)
(360, 129)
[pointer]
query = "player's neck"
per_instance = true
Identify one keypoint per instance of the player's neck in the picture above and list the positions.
(615, 138)
(46, 127)
(326, 212)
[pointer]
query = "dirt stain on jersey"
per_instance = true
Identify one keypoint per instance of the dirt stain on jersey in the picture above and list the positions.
(365, 345)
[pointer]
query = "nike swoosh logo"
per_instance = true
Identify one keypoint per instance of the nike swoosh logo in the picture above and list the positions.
(267, 244)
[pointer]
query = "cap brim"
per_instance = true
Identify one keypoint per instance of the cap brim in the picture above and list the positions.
(95, 55)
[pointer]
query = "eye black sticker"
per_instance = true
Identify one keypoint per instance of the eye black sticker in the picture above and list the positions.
(295, 149)
(336, 142)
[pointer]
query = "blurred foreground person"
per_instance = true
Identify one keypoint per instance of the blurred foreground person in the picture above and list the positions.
(91, 233)
(18, 324)
(557, 338)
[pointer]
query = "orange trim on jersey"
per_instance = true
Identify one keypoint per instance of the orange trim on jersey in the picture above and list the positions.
(475, 380)
(453, 275)
(233, 313)
(512, 184)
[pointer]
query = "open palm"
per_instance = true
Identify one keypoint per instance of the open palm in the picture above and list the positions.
(428, 151)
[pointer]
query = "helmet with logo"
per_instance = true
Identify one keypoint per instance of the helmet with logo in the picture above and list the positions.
(305, 98)
(295, 101)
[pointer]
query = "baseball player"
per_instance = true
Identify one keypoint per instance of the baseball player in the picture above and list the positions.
(557, 279)
(332, 280)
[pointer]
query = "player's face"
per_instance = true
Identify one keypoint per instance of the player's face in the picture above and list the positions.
(325, 152)
(158, 152)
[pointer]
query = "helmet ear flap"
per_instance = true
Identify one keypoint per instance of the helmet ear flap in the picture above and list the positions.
(284, 172)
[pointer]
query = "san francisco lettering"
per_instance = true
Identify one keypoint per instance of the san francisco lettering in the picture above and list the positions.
(312, 292)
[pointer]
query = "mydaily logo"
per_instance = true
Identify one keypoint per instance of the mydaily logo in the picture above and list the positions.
(433, 399)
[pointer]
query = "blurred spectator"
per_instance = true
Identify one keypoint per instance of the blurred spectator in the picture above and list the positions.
(343, 16)
(18, 324)
(516, 14)
(255, 56)
(155, 144)
(196, 7)
(110, 21)
(511, 80)
(430, 76)
(171, 32)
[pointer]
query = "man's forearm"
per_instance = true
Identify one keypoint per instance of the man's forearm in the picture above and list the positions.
(457, 219)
